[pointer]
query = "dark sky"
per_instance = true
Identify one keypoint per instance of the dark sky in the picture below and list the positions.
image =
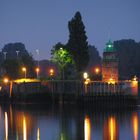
(40, 24)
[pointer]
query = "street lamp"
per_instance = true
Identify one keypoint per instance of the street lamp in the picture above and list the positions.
(24, 70)
(85, 75)
(37, 72)
(51, 72)
(37, 52)
(17, 52)
(4, 55)
(86, 81)
(5, 80)
(97, 70)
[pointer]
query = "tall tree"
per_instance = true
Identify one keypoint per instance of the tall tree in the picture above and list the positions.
(77, 44)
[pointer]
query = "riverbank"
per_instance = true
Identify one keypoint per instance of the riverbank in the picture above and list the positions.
(90, 101)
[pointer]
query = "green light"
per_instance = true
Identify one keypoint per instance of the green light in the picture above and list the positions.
(109, 45)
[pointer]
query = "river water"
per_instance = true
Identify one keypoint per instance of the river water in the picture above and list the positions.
(45, 122)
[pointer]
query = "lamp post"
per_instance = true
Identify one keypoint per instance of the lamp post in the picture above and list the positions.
(17, 52)
(37, 72)
(24, 70)
(85, 76)
(37, 52)
(51, 72)
(97, 74)
(97, 70)
(5, 53)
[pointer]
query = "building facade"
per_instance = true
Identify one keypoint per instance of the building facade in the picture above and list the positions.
(110, 63)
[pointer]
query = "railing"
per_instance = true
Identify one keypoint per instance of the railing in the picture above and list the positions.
(93, 87)
(76, 87)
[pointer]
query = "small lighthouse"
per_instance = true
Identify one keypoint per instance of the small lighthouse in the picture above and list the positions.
(110, 64)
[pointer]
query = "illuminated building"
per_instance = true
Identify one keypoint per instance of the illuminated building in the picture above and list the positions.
(110, 63)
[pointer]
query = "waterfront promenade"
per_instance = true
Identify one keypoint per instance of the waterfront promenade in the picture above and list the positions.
(94, 93)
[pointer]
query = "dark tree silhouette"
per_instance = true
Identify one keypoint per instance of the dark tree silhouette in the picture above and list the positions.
(129, 56)
(16, 57)
(77, 43)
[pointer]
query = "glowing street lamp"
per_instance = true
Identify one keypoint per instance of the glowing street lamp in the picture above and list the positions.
(51, 72)
(85, 75)
(97, 70)
(86, 81)
(37, 72)
(24, 70)
(5, 80)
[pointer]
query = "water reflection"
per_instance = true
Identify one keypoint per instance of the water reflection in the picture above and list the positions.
(6, 126)
(87, 127)
(135, 124)
(38, 134)
(67, 123)
(24, 129)
(111, 129)
(113, 135)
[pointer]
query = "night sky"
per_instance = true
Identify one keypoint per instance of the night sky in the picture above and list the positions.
(40, 24)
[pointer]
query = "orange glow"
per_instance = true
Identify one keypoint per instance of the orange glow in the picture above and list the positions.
(87, 81)
(111, 81)
(26, 80)
(134, 86)
(112, 128)
(6, 126)
(97, 70)
(24, 129)
(135, 123)
(37, 69)
(51, 72)
(5, 80)
(87, 128)
(24, 69)
(11, 88)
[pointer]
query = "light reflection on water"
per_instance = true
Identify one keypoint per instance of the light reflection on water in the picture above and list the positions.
(67, 123)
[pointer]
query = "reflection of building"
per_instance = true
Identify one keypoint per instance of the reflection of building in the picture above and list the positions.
(110, 63)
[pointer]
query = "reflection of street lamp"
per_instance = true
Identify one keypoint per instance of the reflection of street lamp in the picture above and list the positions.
(24, 70)
(37, 72)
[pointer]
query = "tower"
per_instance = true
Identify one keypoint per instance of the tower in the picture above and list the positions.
(110, 63)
